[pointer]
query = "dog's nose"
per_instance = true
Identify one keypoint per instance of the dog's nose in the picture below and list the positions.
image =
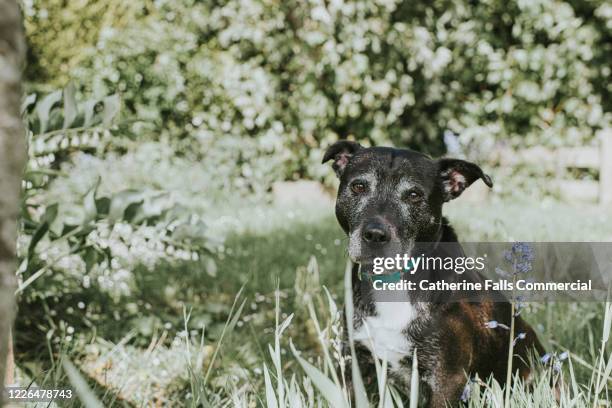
(375, 232)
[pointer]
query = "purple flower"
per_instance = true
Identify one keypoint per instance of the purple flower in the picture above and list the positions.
(523, 267)
(521, 256)
(523, 250)
(563, 356)
(465, 395)
(557, 366)
(545, 358)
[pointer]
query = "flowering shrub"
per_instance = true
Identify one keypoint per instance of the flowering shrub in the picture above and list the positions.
(94, 219)
(294, 77)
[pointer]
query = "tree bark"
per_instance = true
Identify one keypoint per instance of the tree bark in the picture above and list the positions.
(12, 161)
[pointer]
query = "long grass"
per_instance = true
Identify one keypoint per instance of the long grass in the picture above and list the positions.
(320, 385)
(263, 356)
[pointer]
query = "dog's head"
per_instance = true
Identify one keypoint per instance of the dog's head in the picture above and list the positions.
(389, 198)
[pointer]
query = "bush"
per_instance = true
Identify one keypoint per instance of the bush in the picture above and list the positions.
(297, 75)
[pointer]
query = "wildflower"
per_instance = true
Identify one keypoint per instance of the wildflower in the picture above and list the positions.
(523, 267)
(563, 356)
(521, 336)
(523, 250)
(545, 358)
(521, 256)
(465, 395)
(493, 324)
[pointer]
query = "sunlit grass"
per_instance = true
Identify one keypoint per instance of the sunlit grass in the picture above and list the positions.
(284, 266)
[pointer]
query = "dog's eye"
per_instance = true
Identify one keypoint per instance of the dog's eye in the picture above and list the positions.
(413, 195)
(358, 187)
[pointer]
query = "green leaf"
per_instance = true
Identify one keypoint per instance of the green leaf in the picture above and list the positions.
(91, 257)
(270, 395)
(361, 398)
(45, 221)
(111, 109)
(66, 229)
(103, 205)
(38, 235)
(43, 108)
(85, 394)
(70, 106)
(90, 110)
(414, 381)
(330, 391)
(89, 203)
(28, 100)
(120, 202)
(50, 213)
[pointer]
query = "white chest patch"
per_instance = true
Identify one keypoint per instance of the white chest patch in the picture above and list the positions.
(383, 333)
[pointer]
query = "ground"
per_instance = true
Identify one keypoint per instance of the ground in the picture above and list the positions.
(163, 355)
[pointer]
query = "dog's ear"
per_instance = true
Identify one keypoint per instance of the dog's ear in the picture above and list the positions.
(457, 175)
(341, 152)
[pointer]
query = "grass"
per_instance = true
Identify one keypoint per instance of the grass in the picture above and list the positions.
(277, 342)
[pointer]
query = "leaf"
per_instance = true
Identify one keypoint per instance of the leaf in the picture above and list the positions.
(283, 326)
(67, 228)
(414, 381)
(121, 201)
(333, 309)
(89, 203)
(607, 323)
(90, 110)
(28, 100)
(38, 235)
(90, 257)
(45, 221)
(103, 205)
(86, 395)
(132, 211)
(50, 213)
(111, 109)
(70, 106)
(361, 398)
(270, 395)
(43, 108)
(330, 391)
(606, 375)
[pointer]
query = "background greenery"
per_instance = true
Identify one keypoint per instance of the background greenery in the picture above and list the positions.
(157, 130)
(271, 83)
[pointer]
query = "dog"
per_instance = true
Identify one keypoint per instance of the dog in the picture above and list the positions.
(390, 202)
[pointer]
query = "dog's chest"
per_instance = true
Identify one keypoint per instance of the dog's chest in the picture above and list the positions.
(385, 332)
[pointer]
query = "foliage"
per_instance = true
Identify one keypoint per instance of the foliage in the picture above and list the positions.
(83, 235)
(296, 76)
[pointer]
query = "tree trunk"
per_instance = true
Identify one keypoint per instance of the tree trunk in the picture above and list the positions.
(12, 160)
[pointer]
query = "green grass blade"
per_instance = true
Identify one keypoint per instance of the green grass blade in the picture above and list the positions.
(414, 381)
(270, 395)
(330, 391)
(361, 398)
(86, 395)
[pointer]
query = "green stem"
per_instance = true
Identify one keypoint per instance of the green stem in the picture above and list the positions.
(511, 345)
